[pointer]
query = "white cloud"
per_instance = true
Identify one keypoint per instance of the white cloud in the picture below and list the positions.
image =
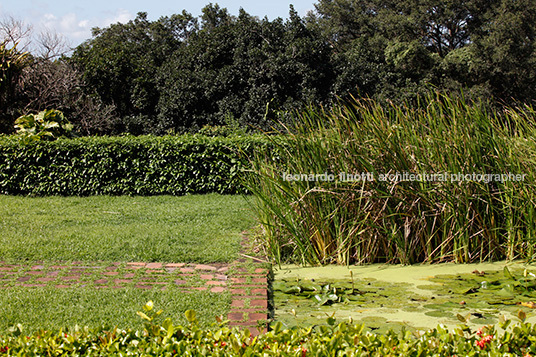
(123, 16)
(77, 29)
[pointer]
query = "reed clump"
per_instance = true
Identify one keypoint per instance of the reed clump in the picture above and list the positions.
(447, 180)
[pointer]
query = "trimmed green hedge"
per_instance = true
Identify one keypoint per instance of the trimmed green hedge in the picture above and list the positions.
(343, 339)
(144, 165)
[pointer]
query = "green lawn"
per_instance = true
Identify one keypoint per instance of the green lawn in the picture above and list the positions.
(52, 309)
(198, 228)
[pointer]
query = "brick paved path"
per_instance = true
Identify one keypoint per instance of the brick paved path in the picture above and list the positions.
(248, 287)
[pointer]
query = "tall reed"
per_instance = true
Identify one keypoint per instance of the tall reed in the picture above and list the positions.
(365, 220)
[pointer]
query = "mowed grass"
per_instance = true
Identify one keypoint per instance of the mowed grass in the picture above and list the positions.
(52, 309)
(191, 229)
(197, 228)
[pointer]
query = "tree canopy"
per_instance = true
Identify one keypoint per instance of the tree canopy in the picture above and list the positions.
(181, 72)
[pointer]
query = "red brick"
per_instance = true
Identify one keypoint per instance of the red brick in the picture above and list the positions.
(223, 270)
(111, 273)
(255, 332)
(136, 264)
(238, 291)
(24, 278)
(37, 267)
(202, 288)
(259, 280)
(139, 286)
(31, 285)
(175, 265)
(129, 275)
(238, 280)
(205, 267)
(45, 279)
(259, 291)
(62, 286)
(257, 316)
(221, 277)
(180, 282)
(237, 303)
(244, 324)
(101, 281)
(217, 289)
(259, 303)
(236, 316)
(214, 282)
(154, 266)
(33, 272)
(206, 276)
(187, 270)
(261, 270)
(122, 281)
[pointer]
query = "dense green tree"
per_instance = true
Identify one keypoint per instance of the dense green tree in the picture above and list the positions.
(120, 63)
(483, 46)
(237, 68)
(180, 73)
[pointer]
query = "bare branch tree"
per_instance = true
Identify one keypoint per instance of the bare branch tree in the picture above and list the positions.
(15, 31)
(51, 45)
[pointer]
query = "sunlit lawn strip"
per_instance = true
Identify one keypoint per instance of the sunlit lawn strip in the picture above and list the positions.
(198, 228)
(52, 308)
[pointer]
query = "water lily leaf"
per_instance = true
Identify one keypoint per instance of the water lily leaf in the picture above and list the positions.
(279, 286)
(332, 297)
(438, 313)
(292, 290)
(471, 291)
(507, 273)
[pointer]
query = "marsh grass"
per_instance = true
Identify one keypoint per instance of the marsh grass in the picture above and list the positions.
(400, 221)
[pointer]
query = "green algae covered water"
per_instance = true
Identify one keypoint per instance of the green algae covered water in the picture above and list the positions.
(412, 297)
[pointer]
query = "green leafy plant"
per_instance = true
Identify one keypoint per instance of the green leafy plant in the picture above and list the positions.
(331, 339)
(47, 124)
(144, 165)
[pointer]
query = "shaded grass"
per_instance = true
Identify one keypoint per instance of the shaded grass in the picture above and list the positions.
(198, 228)
(52, 309)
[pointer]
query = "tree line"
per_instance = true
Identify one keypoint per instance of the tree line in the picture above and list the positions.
(180, 72)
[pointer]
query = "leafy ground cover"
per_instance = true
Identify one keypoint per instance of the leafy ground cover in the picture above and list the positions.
(39, 234)
(197, 228)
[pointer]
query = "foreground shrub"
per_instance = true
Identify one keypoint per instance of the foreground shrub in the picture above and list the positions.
(50, 124)
(125, 165)
(343, 339)
(343, 192)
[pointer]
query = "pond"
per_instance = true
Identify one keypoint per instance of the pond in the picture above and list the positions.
(414, 297)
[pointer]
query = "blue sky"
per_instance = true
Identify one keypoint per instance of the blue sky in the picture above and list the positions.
(75, 18)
